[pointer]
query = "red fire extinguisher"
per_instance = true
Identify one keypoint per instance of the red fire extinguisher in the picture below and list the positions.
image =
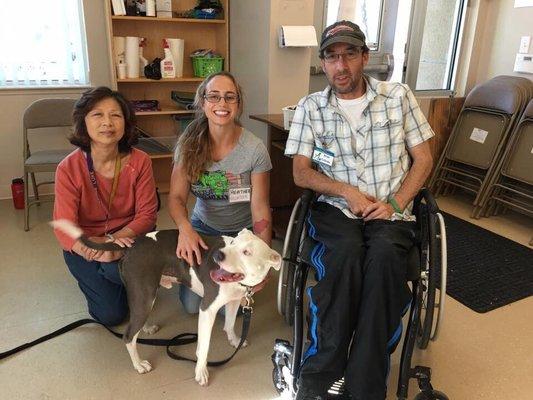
(17, 190)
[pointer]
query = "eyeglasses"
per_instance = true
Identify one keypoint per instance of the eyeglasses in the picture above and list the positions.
(215, 98)
(348, 55)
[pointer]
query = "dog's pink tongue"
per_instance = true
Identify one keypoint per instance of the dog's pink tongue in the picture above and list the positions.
(221, 275)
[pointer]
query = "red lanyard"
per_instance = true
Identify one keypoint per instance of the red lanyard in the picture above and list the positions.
(92, 176)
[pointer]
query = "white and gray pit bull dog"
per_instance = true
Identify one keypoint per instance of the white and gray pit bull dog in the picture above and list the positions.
(229, 267)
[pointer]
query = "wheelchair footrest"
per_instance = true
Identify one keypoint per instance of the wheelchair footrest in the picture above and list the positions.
(423, 376)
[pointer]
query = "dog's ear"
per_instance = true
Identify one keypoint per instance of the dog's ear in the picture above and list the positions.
(244, 232)
(275, 259)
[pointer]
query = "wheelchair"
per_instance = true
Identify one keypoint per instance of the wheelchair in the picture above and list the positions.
(426, 311)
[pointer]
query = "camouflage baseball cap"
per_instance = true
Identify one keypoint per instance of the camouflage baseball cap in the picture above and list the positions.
(342, 32)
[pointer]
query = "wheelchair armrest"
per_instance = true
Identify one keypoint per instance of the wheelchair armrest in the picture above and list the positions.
(431, 204)
(307, 198)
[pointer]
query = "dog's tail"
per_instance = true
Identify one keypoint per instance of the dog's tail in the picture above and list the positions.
(70, 229)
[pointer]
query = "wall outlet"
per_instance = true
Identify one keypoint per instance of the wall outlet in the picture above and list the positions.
(524, 44)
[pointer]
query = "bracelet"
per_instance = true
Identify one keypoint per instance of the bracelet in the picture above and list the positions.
(110, 237)
(395, 205)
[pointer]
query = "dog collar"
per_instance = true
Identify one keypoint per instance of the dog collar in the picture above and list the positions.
(248, 298)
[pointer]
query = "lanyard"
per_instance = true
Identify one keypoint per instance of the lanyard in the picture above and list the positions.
(92, 176)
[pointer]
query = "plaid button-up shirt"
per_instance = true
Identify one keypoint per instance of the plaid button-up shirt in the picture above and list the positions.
(374, 157)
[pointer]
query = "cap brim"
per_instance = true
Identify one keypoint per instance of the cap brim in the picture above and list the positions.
(341, 39)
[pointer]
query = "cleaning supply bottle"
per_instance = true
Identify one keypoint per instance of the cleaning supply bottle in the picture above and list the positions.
(143, 62)
(168, 69)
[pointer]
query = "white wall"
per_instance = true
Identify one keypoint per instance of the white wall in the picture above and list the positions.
(501, 38)
(271, 77)
(492, 36)
(249, 57)
(14, 102)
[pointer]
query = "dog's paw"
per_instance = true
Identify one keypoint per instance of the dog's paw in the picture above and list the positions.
(202, 375)
(143, 367)
(150, 329)
(236, 340)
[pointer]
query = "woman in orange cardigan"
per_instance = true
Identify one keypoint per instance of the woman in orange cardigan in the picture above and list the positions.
(107, 188)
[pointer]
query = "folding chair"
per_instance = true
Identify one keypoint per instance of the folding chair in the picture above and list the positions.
(479, 136)
(44, 113)
(512, 185)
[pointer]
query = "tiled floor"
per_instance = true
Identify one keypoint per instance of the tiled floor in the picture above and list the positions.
(477, 356)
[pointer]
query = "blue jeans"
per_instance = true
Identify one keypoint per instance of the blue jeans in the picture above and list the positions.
(102, 286)
(190, 300)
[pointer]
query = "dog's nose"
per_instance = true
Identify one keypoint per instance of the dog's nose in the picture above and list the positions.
(218, 256)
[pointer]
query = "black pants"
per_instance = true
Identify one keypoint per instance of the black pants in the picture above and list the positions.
(357, 305)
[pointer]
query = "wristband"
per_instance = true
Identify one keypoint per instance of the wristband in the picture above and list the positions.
(395, 205)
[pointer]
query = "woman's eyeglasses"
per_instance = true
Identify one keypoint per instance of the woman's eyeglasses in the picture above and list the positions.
(215, 98)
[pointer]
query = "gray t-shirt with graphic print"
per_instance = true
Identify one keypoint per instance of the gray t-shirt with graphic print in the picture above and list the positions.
(230, 179)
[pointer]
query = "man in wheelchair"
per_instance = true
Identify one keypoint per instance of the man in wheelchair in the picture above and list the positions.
(368, 140)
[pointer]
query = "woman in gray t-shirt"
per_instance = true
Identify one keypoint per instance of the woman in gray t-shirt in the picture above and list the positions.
(226, 168)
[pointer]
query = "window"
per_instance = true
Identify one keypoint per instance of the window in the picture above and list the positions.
(365, 13)
(436, 30)
(43, 44)
(416, 42)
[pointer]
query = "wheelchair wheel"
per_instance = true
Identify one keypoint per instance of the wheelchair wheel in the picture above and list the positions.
(427, 283)
(286, 275)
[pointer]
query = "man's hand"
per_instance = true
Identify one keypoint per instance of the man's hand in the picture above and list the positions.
(377, 210)
(357, 201)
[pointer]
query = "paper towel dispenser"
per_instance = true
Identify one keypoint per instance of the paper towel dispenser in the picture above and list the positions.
(297, 36)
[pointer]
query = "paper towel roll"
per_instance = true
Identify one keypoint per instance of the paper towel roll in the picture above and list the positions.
(150, 8)
(132, 56)
(176, 48)
(119, 49)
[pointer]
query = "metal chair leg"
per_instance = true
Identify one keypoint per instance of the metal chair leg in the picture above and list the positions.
(35, 188)
(26, 205)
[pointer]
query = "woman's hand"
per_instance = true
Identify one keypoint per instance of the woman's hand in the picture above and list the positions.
(102, 255)
(86, 252)
(189, 243)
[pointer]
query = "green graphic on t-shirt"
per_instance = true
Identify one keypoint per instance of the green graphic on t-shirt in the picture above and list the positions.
(211, 185)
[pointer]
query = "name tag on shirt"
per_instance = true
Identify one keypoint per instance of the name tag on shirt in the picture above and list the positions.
(323, 156)
(240, 194)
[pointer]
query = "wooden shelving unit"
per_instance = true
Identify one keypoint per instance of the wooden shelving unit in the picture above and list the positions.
(197, 34)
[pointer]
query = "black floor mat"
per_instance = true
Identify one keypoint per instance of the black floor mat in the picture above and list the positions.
(485, 270)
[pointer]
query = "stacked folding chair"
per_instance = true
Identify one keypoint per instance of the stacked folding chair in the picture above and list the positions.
(512, 184)
(479, 137)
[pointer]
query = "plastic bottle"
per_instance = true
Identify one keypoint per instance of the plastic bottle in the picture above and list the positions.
(143, 62)
(168, 70)
(17, 190)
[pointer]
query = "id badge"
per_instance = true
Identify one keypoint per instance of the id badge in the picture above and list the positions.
(239, 194)
(323, 156)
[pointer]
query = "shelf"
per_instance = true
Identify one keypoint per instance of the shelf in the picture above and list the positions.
(176, 20)
(166, 80)
(165, 111)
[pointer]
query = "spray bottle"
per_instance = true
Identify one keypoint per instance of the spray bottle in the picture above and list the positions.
(168, 69)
